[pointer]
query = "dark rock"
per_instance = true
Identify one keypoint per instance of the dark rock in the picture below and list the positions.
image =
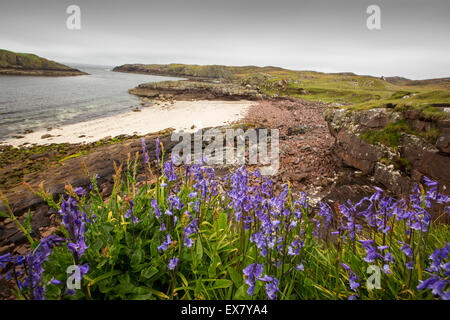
(296, 130)
(39, 155)
(40, 218)
(443, 141)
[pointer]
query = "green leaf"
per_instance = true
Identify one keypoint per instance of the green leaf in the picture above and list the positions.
(136, 258)
(222, 284)
(223, 220)
(183, 278)
(199, 250)
(212, 267)
(102, 277)
(158, 293)
(145, 296)
(27, 221)
(241, 293)
(235, 276)
(149, 272)
(153, 249)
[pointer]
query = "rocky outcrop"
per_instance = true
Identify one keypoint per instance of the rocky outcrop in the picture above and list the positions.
(423, 146)
(193, 72)
(12, 63)
(198, 90)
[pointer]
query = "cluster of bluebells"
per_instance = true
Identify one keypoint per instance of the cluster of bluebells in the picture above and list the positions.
(29, 279)
(252, 272)
(271, 220)
(353, 279)
(144, 150)
(439, 282)
(130, 213)
(177, 211)
(255, 272)
(28, 270)
(380, 213)
(74, 220)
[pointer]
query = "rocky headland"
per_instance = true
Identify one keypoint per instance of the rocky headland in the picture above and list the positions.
(198, 90)
(26, 64)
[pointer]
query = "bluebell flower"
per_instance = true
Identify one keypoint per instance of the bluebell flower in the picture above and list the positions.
(79, 191)
(406, 248)
(429, 182)
(353, 278)
(144, 150)
(271, 286)
(156, 208)
(130, 210)
(253, 272)
(173, 263)
(166, 243)
(5, 259)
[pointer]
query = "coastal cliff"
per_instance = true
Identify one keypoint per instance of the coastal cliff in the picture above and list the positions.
(12, 63)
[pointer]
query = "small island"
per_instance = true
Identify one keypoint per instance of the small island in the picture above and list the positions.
(27, 64)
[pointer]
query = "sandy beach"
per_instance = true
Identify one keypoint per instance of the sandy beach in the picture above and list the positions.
(181, 115)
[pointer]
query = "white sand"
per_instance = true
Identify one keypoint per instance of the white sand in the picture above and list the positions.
(181, 115)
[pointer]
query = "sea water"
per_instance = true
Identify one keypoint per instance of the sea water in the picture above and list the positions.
(34, 102)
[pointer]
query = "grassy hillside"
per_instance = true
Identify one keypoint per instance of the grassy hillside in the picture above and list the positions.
(347, 90)
(27, 62)
(353, 91)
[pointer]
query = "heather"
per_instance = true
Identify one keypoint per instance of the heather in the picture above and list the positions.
(187, 234)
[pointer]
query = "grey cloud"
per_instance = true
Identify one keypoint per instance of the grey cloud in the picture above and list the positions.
(321, 35)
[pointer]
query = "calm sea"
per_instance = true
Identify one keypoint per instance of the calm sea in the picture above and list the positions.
(28, 102)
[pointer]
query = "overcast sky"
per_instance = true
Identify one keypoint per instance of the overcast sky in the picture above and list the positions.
(328, 36)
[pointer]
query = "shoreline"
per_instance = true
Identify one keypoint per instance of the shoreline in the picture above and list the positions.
(179, 115)
(41, 72)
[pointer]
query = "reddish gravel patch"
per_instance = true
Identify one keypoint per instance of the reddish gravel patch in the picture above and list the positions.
(305, 142)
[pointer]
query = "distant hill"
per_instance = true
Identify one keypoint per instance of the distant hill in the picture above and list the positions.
(12, 63)
(439, 83)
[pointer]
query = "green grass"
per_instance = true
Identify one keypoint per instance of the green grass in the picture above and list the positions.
(426, 101)
(353, 91)
(389, 135)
